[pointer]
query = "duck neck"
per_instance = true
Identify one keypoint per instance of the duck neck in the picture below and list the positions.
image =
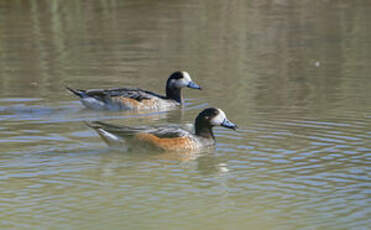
(174, 94)
(204, 129)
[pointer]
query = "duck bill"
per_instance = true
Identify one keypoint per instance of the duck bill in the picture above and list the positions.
(193, 85)
(228, 124)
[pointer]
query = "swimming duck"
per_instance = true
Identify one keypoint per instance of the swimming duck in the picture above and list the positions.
(135, 98)
(168, 137)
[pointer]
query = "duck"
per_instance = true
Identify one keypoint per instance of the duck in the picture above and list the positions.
(136, 98)
(166, 138)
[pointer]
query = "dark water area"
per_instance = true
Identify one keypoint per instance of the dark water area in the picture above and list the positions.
(294, 75)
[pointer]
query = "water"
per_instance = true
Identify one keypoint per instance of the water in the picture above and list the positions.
(294, 75)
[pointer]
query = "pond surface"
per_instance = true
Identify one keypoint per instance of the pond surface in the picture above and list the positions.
(294, 75)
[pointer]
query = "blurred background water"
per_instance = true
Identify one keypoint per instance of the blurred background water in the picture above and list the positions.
(294, 75)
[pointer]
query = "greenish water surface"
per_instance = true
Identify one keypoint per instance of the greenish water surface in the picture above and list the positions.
(294, 75)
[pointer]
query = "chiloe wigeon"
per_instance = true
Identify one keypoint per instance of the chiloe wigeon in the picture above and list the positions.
(166, 137)
(135, 98)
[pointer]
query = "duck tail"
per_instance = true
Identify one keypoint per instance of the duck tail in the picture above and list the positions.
(109, 138)
(101, 125)
(92, 125)
(77, 92)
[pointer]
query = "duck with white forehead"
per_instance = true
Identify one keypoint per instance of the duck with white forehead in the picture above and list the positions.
(166, 137)
(137, 99)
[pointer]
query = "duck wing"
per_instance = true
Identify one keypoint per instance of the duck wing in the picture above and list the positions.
(132, 93)
(169, 131)
(104, 94)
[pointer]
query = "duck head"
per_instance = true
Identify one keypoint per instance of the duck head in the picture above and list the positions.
(176, 82)
(209, 118)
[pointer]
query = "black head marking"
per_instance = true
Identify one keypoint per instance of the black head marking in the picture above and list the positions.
(176, 82)
(208, 118)
(172, 91)
(208, 114)
(173, 77)
(203, 126)
(176, 75)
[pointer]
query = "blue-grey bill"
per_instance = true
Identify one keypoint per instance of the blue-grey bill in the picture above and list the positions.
(193, 85)
(228, 124)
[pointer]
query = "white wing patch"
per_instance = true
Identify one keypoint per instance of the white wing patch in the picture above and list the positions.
(108, 136)
(112, 140)
(92, 103)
